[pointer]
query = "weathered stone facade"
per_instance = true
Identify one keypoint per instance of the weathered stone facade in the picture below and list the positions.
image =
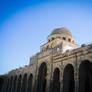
(54, 69)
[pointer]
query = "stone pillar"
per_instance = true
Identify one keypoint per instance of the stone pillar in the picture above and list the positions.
(14, 89)
(51, 85)
(10, 84)
(61, 78)
(7, 85)
(61, 86)
(76, 73)
(8, 89)
(17, 84)
(13, 85)
(47, 85)
(76, 78)
(34, 85)
(76, 86)
(20, 85)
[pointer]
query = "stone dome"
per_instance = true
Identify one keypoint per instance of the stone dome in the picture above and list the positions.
(61, 30)
(62, 34)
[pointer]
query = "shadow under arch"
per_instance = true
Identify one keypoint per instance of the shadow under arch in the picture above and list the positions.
(68, 79)
(24, 83)
(30, 79)
(85, 76)
(7, 85)
(12, 78)
(10, 84)
(1, 83)
(41, 81)
(14, 84)
(56, 80)
(18, 89)
(4, 86)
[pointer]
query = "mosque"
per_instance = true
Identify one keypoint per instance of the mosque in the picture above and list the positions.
(60, 66)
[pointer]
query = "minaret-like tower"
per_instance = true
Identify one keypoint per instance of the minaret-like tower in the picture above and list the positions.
(60, 36)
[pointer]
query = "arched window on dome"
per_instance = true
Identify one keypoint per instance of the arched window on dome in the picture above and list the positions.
(69, 40)
(64, 38)
(49, 40)
(53, 38)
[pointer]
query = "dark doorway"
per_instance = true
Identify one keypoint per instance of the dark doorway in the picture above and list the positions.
(56, 81)
(41, 82)
(14, 80)
(85, 76)
(24, 83)
(1, 83)
(4, 86)
(8, 89)
(18, 89)
(10, 84)
(68, 79)
(29, 89)
(7, 85)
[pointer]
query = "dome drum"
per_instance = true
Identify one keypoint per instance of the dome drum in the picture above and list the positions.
(61, 33)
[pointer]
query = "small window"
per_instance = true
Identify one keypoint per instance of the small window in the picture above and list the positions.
(64, 38)
(53, 38)
(48, 40)
(69, 40)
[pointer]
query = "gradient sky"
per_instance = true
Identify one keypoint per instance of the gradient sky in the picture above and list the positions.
(25, 25)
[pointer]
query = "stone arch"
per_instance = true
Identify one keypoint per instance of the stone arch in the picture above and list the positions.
(64, 38)
(56, 80)
(18, 89)
(68, 78)
(24, 83)
(30, 79)
(41, 81)
(85, 76)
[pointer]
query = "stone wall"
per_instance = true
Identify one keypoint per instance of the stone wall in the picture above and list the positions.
(46, 63)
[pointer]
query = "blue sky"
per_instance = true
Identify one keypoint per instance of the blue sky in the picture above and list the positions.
(25, 25)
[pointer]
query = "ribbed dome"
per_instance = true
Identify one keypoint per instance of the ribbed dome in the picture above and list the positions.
(61, 30)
